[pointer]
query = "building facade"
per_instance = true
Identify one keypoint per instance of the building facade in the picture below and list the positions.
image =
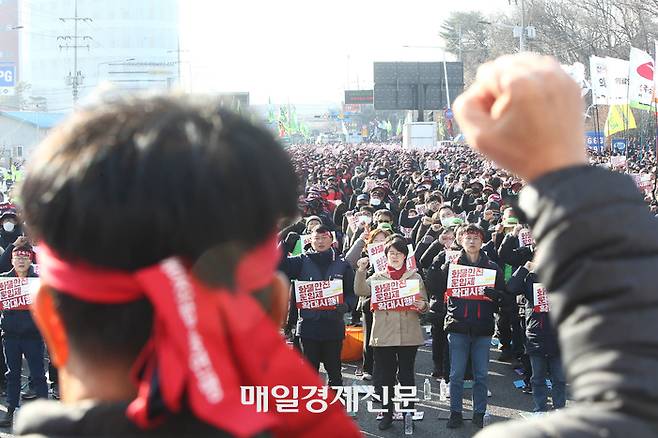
(130, 44)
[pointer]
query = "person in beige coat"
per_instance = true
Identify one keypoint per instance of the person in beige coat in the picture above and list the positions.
(396, 334)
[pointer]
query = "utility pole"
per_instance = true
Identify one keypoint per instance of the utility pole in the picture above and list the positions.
(523, 30)
(75, 78)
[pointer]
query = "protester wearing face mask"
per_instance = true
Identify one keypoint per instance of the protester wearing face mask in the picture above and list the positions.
(11, 228)
(396, 334)
(20, 337)
(321, 332)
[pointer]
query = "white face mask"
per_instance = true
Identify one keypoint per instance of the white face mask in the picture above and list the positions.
(8, 226)
(375, 202)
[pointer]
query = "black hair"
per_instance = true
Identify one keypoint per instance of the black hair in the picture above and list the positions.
(472, 228)
(398, 242)
(134, 181)
(321, 229)
(433, 198)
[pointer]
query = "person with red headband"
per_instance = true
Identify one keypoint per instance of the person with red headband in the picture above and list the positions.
(321, 329)
(20, 336)
(159, 296)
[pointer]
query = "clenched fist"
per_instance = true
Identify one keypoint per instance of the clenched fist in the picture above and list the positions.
(362, 264)
(526, 114)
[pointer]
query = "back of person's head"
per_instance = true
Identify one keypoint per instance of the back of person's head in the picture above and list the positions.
(130, 183)
(126, 185)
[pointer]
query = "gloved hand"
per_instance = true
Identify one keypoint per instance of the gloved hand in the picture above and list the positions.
(342, 308)
(427, 239)
(290, 241)
(493, 294)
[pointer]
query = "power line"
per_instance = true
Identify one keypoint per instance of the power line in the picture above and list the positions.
(75, 79)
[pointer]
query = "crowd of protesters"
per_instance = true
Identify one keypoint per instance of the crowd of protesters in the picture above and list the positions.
(160, 301)
(453, 207)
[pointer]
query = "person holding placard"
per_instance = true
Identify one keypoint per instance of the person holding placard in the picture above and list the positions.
(320, 325)
(20, 336)
(397, 297)
(474, 289)
(359, 249)
(541, 340)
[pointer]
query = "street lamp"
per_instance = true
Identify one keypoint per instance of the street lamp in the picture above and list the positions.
(445, 68)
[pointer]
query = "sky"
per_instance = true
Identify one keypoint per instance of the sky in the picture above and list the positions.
(308, 52)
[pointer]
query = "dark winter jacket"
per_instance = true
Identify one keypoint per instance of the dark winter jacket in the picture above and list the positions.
(473, 317)
(597, 253)
(321, 325)
(18, 323)
(50, 419)
(541, 338)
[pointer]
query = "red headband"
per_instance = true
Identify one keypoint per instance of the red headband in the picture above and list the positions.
(22, 253)
(205, 343)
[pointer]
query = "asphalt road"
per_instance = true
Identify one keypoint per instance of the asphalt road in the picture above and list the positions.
(506, 402)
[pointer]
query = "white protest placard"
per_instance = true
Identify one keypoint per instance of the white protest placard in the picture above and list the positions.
(432, 165)
(618, 161)
(406, 232)
(469, 283)
(16, 293)
(540, 298)
(525, 237)
(395, 295)
(306, 241)
(369, 184)
(421, 209)
(452, 255)
(644, 181)
(318, 295)
(377, 256)
(351, 222)
(411, 258)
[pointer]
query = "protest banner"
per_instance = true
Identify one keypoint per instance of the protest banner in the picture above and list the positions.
(406, 232)
(540, 298)
(618, 161)
(377, 256)
(318, 295)
(468, 283)
(421, 209)
(644, 182)
(452, 255)
(394, 295)
(351, 222)
(369, 184)
(432, 165)
(16, 293)
(525, 237)
(411, 259)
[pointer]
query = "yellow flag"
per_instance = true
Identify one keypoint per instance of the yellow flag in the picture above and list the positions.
(620, 118)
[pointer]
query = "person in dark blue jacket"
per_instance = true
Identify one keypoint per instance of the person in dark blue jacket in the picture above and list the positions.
(541, 339)
(469, 323)
(20, 337)
(321, 332)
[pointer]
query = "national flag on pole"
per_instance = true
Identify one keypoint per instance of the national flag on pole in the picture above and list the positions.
(641, 82)
(620, 118)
